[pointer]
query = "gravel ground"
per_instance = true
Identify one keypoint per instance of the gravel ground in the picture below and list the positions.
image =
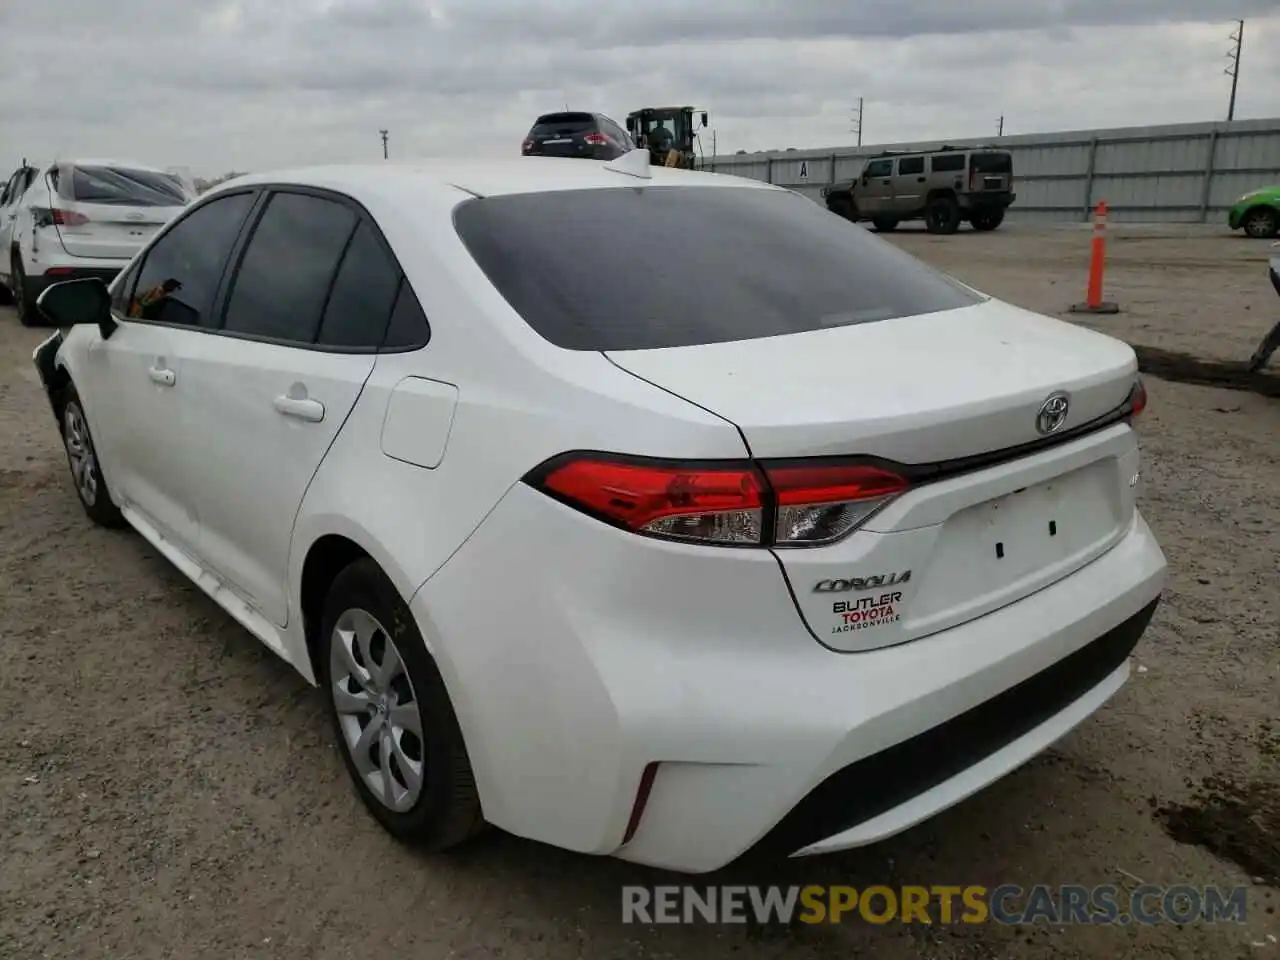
(168, 788)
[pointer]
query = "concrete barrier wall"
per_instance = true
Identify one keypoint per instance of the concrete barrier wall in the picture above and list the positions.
(1189, 172)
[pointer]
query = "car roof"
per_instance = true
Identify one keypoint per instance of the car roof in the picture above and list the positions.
(482, 178)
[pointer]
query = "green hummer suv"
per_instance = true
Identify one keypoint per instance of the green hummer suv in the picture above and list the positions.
(1257, 213)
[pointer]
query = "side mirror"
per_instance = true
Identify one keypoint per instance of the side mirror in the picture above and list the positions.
(704, 118)
(75, 302)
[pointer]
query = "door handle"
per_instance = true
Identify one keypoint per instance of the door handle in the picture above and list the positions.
(162, 376)
(919, 179)
(302, 408)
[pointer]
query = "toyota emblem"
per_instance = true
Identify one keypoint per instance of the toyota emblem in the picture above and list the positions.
(1053, 413)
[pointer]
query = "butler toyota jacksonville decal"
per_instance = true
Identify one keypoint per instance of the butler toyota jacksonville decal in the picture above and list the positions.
(861, 613)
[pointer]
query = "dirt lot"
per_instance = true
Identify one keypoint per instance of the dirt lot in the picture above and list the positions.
(168, 789)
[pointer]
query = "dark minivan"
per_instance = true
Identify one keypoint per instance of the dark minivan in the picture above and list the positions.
(589, 136)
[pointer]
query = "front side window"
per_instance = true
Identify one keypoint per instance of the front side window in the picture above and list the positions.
(282, 283)
(879, 168)
(179, 277)
(694, 265)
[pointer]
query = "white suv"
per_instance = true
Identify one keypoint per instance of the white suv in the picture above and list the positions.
(642, 512)
(81, 218)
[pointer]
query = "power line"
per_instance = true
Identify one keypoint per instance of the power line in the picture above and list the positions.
(1000, 126)
(383, 135)
(1233, 71)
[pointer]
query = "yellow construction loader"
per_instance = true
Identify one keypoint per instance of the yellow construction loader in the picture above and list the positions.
(668, 133)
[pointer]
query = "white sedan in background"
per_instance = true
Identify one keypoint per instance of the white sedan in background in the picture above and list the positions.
(82, 218)
(648, 513)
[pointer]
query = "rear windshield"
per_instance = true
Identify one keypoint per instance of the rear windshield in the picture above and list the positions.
(631, 269)
(991, 162)
(123, 186)
(563, 123)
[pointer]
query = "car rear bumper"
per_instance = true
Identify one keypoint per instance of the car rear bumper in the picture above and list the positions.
(995, 200)
(579, 657)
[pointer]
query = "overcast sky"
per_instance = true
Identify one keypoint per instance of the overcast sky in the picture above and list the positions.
(251, 84)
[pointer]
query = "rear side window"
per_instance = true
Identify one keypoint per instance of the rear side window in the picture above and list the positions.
(121, 186)
(408, 327)
(911, 165)
(991, 163)
(664, 266)
(947, 162)
(283, 279)
(362, 296)
(181, 272)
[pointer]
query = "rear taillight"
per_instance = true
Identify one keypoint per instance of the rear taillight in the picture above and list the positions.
(596, 139)
(734, 503)
(46, 216)
(1137, 400)
(819, 503)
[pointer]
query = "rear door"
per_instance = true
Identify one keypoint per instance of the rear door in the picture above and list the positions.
(990, 172)
(108, 212)
(562, 135)
(307, 302)
(909, 185)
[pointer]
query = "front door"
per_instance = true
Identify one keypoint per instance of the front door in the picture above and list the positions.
(874, 193)
(136, 377)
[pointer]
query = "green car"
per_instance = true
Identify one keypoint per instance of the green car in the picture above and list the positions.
(1258, 212)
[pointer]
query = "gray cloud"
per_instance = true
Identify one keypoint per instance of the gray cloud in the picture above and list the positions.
(216, 84)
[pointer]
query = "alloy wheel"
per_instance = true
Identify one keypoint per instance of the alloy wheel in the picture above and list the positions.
(378, 710)
(80, 452)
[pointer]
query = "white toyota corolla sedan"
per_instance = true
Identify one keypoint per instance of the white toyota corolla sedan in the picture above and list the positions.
(640, 512)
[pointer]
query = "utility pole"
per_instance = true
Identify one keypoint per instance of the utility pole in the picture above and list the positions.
(383, 135)
(1233, 71)
(857, 122)
(1000, 126)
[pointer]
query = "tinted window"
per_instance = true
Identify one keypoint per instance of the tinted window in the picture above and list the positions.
(122, 291)
(562, 124)
(948, 161)
(363, 293)
(181, 272)
(911, 165)
(879, 168)
(691, 265)
(992, 162)
(122, 185)
(283, 278)
(408, 327)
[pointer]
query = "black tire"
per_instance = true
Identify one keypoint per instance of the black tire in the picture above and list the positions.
(86, 472)
(6, 295)
(884, 224)
(446, 812)
(841, 207)
(986, 219)
(942, 215)
(1261, 223)
(27, 313)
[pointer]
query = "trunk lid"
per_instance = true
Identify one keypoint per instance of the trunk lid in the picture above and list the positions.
(926, 390)
(109, 232)
(918, 389)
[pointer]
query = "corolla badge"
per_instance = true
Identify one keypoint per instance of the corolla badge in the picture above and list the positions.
(1053, 413)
